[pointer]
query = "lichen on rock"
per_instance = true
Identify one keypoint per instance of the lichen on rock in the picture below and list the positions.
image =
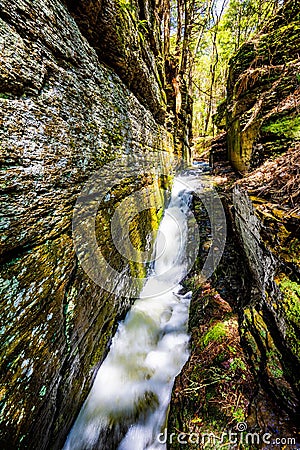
(65, 115)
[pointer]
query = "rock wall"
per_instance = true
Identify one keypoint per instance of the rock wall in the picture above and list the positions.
(126, 36)
(244, 326)
(263, 92)
(270, 311)
(65, 114)
(244, 322)
(262, 124)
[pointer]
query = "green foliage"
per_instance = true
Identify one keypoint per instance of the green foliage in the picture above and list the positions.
(127, 6)
(142, 26)
(239, 415)
(226, 32)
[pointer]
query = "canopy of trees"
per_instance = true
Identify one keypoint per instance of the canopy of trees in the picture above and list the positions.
(199, 38)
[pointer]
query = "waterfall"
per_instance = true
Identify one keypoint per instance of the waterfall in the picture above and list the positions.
(127, 406)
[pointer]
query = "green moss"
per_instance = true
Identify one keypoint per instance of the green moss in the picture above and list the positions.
(239, 415)
(284, 126)
(274, 365)
(292, 289)
(291, 311)
(215, 333)
(291, 300)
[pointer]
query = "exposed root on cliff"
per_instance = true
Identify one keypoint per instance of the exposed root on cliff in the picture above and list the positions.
(278, 181)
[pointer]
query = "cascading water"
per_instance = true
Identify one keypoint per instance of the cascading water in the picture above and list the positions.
(127, 406)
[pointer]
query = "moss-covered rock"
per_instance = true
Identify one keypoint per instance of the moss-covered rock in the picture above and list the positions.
(64, 116)
(125, 34)
(262, 124)
(269, 322)
(214, 391)
(262, 105)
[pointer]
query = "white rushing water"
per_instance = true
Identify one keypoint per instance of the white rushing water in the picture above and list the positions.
(127, 406)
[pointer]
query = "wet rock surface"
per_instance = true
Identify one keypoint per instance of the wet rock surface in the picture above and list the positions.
(63, 116)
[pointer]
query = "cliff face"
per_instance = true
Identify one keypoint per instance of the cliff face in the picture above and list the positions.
(270, 314)
(263, 133)
(64, 114)
(263, 92)
(244, 323)
(126, 36)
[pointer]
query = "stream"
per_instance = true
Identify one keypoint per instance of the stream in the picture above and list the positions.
(127, 406)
